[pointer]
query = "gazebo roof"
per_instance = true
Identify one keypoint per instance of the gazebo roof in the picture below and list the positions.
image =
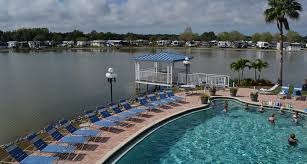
(168, 57)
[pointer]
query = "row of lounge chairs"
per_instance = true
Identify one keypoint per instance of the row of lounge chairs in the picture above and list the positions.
(67, 144)
(297, 93)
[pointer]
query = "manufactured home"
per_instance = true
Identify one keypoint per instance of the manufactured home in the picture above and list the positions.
(263, 45)
(224, 44)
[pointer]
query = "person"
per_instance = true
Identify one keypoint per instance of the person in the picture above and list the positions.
(292, 140)
(225, 106)
(246, 106)
(261, 109)
(304, 87)
(282, 110)
(295, 117)
(272, 119)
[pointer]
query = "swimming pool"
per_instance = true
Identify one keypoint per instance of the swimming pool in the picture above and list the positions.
(211, 136)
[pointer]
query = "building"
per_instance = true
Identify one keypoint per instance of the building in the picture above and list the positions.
(290, 46)
(224, 44)
(12, 44)
(263, 45)
(163, 42)
(67, 43)
(82, 43)
(3, 45)
(98, 43)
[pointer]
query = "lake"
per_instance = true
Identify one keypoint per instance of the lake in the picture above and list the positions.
(38, 88)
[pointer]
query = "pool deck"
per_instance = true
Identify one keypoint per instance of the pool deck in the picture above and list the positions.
(113, 140)
(117, 138)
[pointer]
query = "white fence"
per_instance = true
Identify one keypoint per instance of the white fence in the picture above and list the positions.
(154, 77)
(202, 78)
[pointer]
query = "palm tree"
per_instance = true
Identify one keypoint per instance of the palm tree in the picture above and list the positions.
(279, 11)
(243, 63)
(254, 65)
(236, 67)
(261, 65)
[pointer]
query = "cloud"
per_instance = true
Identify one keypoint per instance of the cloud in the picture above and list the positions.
(141, 16)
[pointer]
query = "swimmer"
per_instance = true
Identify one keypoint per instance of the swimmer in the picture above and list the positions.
(246, 106)
(261, 109)
(272, 119)
(295, 117)
(292, 140)
(225, 106)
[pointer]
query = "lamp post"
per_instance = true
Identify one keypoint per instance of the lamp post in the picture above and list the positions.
(186, 63)
(111, 78)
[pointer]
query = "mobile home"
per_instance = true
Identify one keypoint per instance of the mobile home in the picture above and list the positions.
(263, 45)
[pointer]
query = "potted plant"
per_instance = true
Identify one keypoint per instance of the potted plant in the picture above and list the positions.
(254, 96)
(233, 91)
(212, 91)
(204, 97)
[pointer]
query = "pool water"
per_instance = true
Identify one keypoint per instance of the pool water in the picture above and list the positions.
(211, 136)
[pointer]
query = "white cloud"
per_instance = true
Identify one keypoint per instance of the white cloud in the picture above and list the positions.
(143, 16)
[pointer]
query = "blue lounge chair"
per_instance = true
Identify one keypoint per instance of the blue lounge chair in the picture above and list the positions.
(22, 157)
(79, 132)
(284, 93)
(129, 108)
(297, 91)
(55, 134)
(96, 121)
(165, 98)
(44, 147)
(170, 94)
(104, 113)
(145, 103)
(127, 114)
(154, 100)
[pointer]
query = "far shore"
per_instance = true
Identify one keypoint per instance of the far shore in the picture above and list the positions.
(130, 48)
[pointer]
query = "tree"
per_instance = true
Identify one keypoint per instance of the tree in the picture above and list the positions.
(57, 38)
(208, 36)
(261, 65)
(40, 37)
(236, 36)
(224, 36)
(258, 65)
(187, 35)
(279, 11)
(293, 36)
(81, 39)
(239, 65)
(256, 37)
(266, 36)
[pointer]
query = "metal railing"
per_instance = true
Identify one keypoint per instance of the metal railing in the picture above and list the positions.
(155, 77)
(202, 78)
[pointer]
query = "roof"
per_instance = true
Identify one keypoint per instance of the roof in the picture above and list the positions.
(162, 57)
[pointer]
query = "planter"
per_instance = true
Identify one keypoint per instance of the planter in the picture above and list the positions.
(254, 98)
(233, 92)
(204, 100)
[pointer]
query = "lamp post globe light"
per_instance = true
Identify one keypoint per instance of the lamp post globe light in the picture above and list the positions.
(186, 63)
(111, 76)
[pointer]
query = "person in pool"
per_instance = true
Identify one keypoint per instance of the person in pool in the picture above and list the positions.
(292, 140)
(295, 117)
(272, 119)
(225, 106)
(246, 106)
(261, 109)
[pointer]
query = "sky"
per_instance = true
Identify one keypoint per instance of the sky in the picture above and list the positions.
(142, 16)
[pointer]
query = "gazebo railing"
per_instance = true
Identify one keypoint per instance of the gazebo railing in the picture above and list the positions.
(155, 77)
(202, 78)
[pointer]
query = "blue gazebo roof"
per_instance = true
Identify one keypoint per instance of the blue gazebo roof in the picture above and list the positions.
(168, 57)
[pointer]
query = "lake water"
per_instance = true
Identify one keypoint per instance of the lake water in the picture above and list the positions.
(38, 88)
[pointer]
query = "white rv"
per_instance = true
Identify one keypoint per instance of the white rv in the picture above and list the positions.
(224, 44)
(177, 43)
(263, 45)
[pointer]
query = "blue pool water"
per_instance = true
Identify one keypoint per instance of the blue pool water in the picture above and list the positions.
(211, 136)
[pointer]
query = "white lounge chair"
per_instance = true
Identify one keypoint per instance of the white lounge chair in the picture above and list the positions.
(268, 91)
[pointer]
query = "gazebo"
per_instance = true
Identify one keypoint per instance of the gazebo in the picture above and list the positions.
(167, 69)
(158, 69)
